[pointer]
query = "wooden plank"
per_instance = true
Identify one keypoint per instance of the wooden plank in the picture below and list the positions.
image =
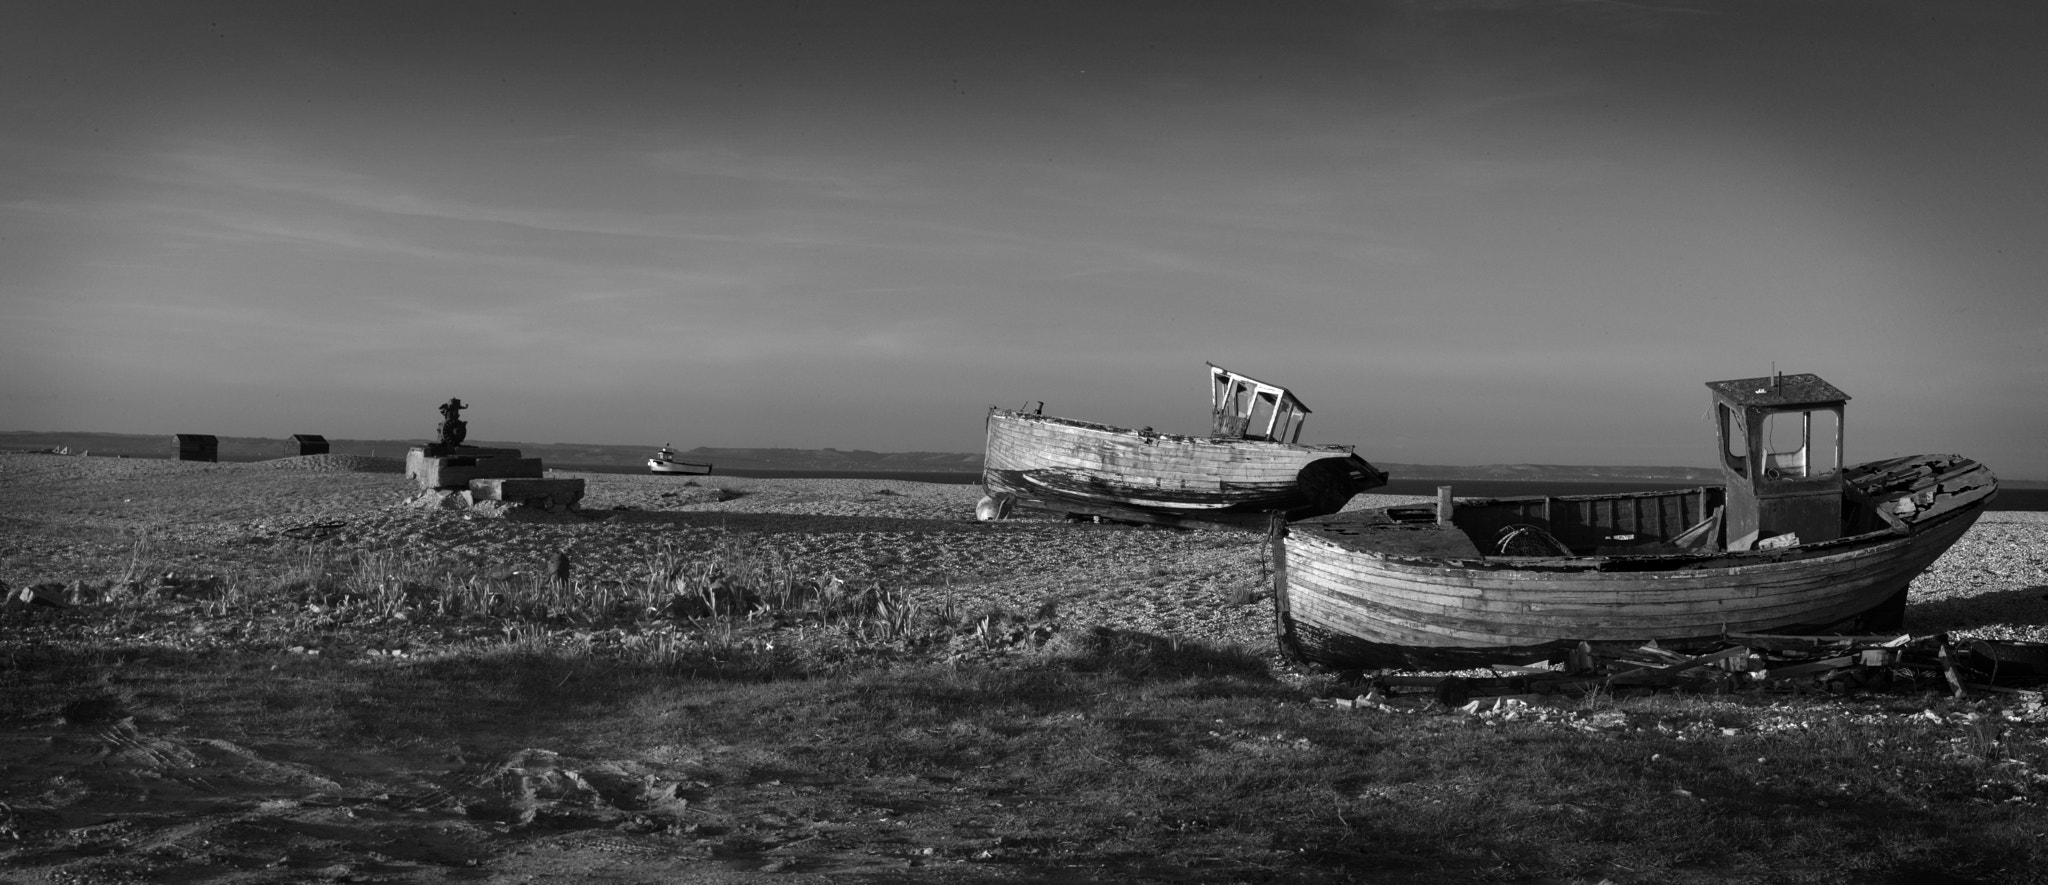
(1489, 620)
(1421, 601)
(1683, 592)
(1797, 670)
(1948, 669)
(1678, 668)
(1277, 537)
(1777, 641)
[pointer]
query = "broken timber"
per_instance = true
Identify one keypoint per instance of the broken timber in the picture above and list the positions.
(1756, 661)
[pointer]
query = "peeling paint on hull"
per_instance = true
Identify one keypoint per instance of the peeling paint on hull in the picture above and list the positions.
(1075, 467)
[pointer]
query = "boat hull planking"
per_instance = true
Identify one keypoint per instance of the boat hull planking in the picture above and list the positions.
(1377, 589)
(1069, 466)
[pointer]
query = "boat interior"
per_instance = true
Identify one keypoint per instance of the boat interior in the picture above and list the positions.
(1633, 524)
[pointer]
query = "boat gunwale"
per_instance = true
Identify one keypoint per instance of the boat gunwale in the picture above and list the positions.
(1156, 436)
(1658, 562)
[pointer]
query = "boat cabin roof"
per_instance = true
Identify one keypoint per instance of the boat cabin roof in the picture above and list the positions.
(1779, 392)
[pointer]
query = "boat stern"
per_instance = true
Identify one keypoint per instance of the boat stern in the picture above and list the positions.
(1327, 484)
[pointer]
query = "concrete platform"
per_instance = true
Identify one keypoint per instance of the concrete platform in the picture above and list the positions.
(456, 473)
(416, 457)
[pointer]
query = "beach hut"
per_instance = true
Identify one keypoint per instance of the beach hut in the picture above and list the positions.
(307, 444)
(198, 447)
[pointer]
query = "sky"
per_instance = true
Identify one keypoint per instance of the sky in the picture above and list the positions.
(1461, 232)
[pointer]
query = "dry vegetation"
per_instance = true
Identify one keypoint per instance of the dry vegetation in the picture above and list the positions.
(271, 673)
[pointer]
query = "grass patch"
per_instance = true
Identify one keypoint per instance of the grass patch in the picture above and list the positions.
(776, 707)
(1178, 771)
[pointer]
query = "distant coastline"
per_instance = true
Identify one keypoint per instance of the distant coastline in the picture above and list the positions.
(1493, 480)
(2034, 498)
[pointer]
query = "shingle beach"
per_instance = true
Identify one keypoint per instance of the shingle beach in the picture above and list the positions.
(64, 519)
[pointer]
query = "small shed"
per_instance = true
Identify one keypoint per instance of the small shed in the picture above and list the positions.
(198, 447)
(307, 444)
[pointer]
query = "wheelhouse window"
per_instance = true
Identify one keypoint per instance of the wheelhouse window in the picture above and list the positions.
(1264, 407)
(1800, 445)
(1734, 441)
(1249, 409)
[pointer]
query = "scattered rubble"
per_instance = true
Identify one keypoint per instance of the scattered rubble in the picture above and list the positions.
(46, 595)
(1838, 665)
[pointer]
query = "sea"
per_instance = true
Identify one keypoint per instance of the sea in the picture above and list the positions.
(2008, 498)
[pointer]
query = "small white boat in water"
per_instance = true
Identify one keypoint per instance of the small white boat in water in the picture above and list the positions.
(665, 461)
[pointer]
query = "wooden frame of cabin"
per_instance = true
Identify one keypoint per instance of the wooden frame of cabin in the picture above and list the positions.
(1247, 408)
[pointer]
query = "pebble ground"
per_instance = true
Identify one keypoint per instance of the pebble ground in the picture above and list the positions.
(71, 518)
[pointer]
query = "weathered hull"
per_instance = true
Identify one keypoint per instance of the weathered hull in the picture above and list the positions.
(1353, 593)
(1074, 467)
(657, 465)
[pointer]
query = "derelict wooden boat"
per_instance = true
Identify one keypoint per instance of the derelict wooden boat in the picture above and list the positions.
(1788, 545)
(1250, 467)
(665, 461)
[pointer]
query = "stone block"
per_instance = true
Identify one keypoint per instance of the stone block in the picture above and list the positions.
(547, 494)
(416, 457)
(455, 473)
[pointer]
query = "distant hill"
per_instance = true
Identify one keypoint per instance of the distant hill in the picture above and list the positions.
(567, 456)
(572, 456)
(164, 445)
(835, 459)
